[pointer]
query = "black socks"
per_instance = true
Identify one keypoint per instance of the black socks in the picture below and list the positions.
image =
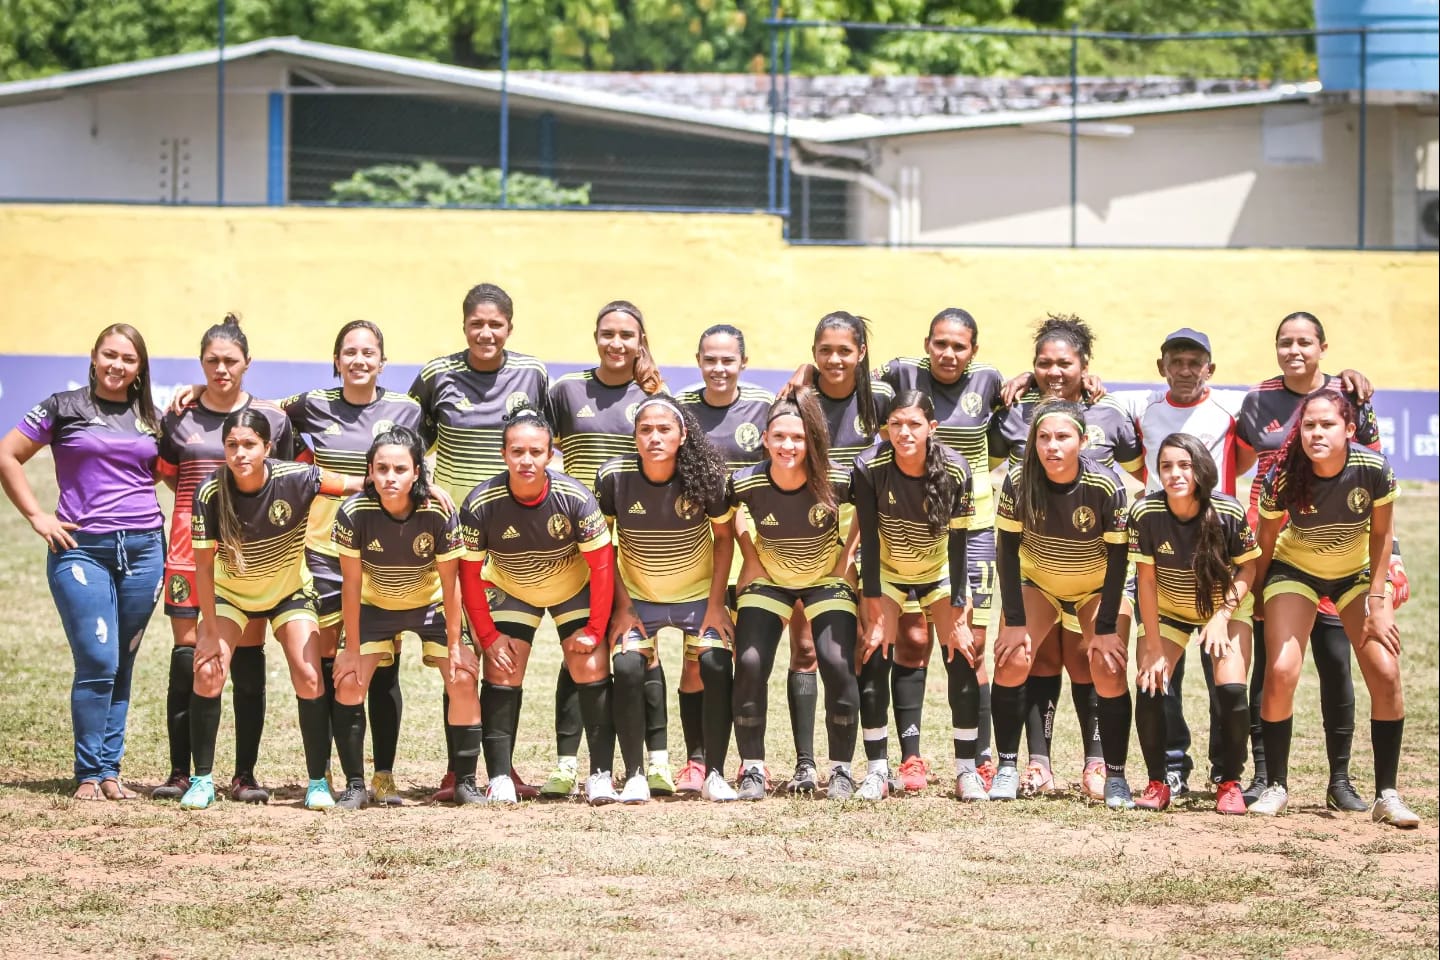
(247, 697)
(177, 707)
(802, 692)
(907, 694)
(500, 708)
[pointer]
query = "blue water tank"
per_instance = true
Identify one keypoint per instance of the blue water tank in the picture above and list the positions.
(1393, 61)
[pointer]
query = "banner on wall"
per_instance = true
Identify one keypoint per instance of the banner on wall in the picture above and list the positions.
(1409, 419)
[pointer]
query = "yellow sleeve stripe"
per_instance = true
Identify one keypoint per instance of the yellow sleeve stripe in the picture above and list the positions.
(721, 520)
(1115, 537)
(1271, 514)
(1008, 525)
(477, 555)
(202, 544)
(1129, 465)
(959, 523)
(1388, 498)
(601, 539)
(1138, 557)
(455, 554)
(1246, 557)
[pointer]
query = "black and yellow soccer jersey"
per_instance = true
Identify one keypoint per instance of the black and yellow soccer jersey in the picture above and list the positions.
(272, 531)
(1167, 543)
(909, 552)
(796, 536)
(664, 543)
(465, 412)
(397, 557)
(1066, 556)
(1110, 436)
(737, 430)
(963, 410)
(340, 434)
(534, 553)
(593, 422)
(842, 419)
(1330, 537)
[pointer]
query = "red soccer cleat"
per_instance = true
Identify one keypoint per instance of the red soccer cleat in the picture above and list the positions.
(1156, 796)
(914, 774)
(1229, 799)
(446, 793)
(692, 777)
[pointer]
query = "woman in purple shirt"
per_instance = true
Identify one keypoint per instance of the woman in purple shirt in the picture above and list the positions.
(106, 539)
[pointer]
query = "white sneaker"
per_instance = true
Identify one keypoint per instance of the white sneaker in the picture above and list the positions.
(875, 786)
(600, 789)
(636, 790)
(501, 790)
(716, 790)
(1272, 802)
(1389, 808)
(970, 788)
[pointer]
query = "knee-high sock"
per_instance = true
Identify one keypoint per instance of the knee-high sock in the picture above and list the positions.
(1008, 710)
(630, 706)
(500, 706)
(1083, 696)
(1233, 705)
(1114, 719)
(386, 705)
(449, 732)
(875, 707)
(835, 650)
(1385, 736)
(1331, 648)
(204, 728)
(657, 713)
(1277, 735)
(247, 697)
(465, 749)
(984, 726)
(1152, 726)
(715, 670)
(595, 710)
(802, 693)
(964, 696)
(348, 722)
(315, 735)
(907, 695)
(692, 722)
(1041, 694)
(757, 635)
(1257, 689)
(177, 707)
(569, 721)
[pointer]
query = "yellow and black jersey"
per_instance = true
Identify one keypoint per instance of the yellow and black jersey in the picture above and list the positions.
(963, 410)
(340, 434)
(272, 533)
(1167, 543)
(1110, 435)
(842, 419)
(397, 556)
(593, 422)
(534, 552)
(735, 431)
(1066, 555)
(663, 540)
(909, 552)
(465, 411)
(1329, 538)
(796, 536)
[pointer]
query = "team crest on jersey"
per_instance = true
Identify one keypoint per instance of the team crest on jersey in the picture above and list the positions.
(559, 527)
(332, 431)
(1094, 437)
(424, 545)
(1084, 519)
(819, 515)
(860, 426)
(280, 513)
(1358, 500)
(384, 426)
(971, 403)
(516, 400)
(686, 509)
(494, 596)
(630, 412)
(747, 437)
(179, 588)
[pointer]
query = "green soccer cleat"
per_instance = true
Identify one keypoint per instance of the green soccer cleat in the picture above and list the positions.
(200, 795)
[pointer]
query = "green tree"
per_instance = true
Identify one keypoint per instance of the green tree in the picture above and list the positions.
(429, 184)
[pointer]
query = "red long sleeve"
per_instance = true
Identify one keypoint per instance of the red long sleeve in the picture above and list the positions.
(602, 589)
(477, 608)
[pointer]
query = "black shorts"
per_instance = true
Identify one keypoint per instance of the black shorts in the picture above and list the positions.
(300, 605)
(325, 572)
(825, 597)
(1283, 578)
(516, 618)
(380, 632)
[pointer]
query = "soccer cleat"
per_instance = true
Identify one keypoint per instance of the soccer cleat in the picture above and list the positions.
(1253, 792)
(752, 784)
(970, 788)
(659, 781)
(1229, 799)
(564, 782)
(244, 789)
(806, 778)
(875, 786)
(986, 771)
(1156, 796)
(523, 790)
(914, 774)
(600, 789)
(716, 790)
(1176, 782)
(501, 789)
(636, 789)
(1092, 780)
(692, 777)
(200, 794)
(383, 790)
(1117, 794)
(172, 789)
(354, 797)
(1038, 780)
(318, 796)
(446, 793)
(1272, 801)
(1342, 795)
(466, 792)
(842, 785)
(1389, 808)
(1006, 784)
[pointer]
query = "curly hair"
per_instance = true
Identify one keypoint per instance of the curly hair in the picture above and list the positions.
(698, 465)
(410, 440)
(1069, 329)
(1293, 475)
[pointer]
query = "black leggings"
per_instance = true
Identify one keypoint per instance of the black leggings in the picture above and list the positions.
(757, 635)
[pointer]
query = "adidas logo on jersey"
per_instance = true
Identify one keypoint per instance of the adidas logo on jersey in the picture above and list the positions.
(510, 534)
(637, 509)
(333, 430)
(1274, 426)
(585, 411)
(769, 521)
(374, 546)
(1166, 549)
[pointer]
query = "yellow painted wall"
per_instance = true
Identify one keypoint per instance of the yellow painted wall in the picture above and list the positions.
(297, 274)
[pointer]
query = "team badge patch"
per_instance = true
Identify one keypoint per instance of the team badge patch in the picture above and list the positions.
(630, 412)
(686, 509)
(860, 426)
(1084, 519)
(424, 545)
(494, 596)
(970, 403)
(179, 588)
(383, 426)
(1358, 500)
(280, 513)
(1094, 437)
(747, 437)
(515, 401)
(559, 527)
(819, 515)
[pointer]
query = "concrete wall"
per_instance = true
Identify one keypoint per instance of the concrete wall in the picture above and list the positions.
(106, 144)
(1199, 178)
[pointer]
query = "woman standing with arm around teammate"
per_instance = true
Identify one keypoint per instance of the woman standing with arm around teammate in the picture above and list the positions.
(668, 508)
(796, 557)
(249, 538)
(1195, 559)
(1339, 499)
(105, 539)
(191, 451)
(1061, 550)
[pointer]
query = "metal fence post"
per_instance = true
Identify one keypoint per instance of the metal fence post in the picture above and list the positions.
(504, 102)
(1074, 134)
(770, 150)
(785, 142)
(1360, 190)
(275, 152)
(220, 107)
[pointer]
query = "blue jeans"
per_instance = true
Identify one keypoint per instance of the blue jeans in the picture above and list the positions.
(105, 589)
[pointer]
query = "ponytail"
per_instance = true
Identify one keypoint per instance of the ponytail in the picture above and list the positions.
(410, 440)
(232, 533)
(939, 482)
(1034, 491)
(1214, 573)
(802, 404)
(645, 372)
(858, 328)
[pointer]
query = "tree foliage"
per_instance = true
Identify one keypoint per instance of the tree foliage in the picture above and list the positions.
(45, 36)
(431, 185)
